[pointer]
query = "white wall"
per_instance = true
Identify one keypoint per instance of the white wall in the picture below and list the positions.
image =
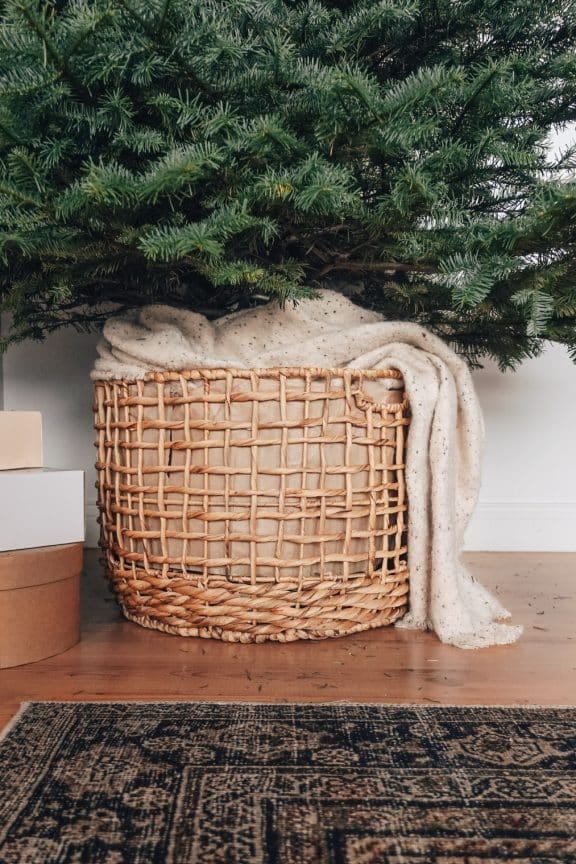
(528, 498)
(528, 495)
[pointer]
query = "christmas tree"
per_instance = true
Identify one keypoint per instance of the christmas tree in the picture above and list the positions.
(219, 153)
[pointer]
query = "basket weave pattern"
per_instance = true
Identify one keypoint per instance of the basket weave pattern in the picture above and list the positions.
(254, 504)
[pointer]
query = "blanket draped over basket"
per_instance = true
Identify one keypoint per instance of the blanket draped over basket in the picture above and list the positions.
(444, 444)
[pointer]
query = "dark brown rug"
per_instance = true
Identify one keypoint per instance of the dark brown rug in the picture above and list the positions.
(178, 783)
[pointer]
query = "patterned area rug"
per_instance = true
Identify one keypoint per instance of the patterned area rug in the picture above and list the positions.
(294, 784)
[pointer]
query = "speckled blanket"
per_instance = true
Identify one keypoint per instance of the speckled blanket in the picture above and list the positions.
(444, 444)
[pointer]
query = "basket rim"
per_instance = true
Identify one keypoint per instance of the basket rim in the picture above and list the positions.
(160, 375)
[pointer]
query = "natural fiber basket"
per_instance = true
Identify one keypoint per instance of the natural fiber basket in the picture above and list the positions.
(249, 505)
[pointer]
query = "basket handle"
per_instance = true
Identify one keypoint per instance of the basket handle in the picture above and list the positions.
(364, 401)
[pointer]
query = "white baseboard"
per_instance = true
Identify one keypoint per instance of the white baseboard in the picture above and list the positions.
(515, 526)
(503, 526)
(92, 526)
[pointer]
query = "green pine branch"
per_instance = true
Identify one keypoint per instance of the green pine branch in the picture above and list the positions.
(219, 154)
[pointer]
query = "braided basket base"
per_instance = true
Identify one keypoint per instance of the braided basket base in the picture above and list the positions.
(281, 612)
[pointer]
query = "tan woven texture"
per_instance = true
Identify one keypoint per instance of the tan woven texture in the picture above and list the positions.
(249, 505)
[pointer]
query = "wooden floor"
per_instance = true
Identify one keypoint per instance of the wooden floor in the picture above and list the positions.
(117, 660)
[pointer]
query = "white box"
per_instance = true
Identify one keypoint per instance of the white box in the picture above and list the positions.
(20, 439)
(41, 507)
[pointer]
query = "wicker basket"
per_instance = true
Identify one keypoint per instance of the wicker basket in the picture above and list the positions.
(249, 505)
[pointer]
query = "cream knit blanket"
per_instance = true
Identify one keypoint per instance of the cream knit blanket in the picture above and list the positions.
(444, 443)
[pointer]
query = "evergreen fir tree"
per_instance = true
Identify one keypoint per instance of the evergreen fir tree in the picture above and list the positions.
(218, 153)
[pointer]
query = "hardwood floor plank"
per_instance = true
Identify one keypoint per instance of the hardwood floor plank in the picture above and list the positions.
(117, 660)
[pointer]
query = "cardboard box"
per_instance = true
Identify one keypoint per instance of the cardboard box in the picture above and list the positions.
(20, 439)
(41, 507)
(39, 603)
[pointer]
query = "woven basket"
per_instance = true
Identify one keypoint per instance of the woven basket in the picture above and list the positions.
(249, 505)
